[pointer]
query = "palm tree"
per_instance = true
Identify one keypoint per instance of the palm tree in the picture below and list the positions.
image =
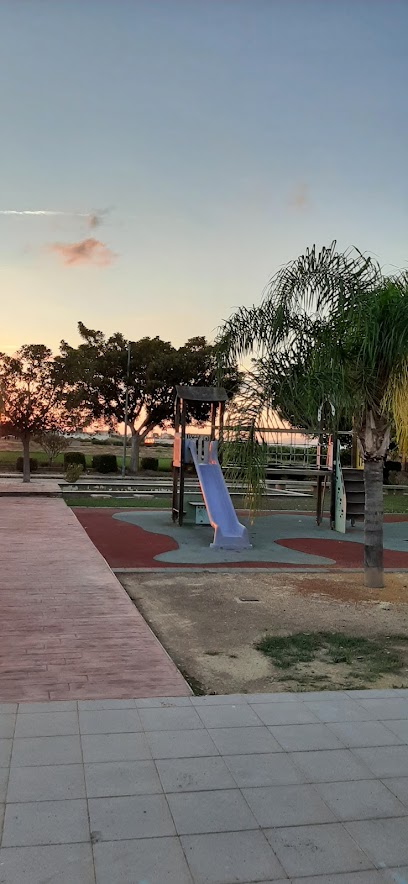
(331, 327)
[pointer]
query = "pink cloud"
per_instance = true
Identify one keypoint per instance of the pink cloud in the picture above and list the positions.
(87, 251)
(300, 197)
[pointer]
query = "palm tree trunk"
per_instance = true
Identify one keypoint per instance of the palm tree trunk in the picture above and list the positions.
(26, 457)
(374, 516)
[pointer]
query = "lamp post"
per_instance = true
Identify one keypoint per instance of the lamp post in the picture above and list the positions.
(126, 411)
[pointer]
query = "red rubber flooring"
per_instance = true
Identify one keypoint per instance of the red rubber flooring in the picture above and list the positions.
(129, 546)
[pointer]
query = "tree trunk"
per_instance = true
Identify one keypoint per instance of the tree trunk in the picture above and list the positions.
(374, 440)
(374, 517)
(134, 452)
(26, 457)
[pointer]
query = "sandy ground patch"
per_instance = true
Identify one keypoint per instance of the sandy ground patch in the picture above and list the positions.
(210, 621)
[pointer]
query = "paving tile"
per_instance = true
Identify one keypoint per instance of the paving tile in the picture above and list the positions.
(171, 719)
(364, 733)
(45, 822)
(231, 856)
(285, 713)
(229, 716)
(222, 700)
(370, 877)
(384, 841)
(374, 694)
(275, 697)
(115, 747)
(7, 708)
(156, 860)
(134, 816)
(287, 806)
(334, 765)
(386, 709)
(56, 706)
(194, 774)
(322, 695)
(46, 750)
(116, 778)
(399, 729)
(195, 813)
(46, 724)
(96, 705)
(4, 776)
(54, 864)
(162, 702)
(7, 723)
(298, 737)
(5, 752)
(263, 770)
(47, 783)
(317, 850)
(385, 761)
(181, 744)
(110, 721)
(339, 710)
(244, 740)
(399, 786)
(363, 799)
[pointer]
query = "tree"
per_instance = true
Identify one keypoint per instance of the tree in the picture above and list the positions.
(53, 444)
(332, 328)
(101, 369)
(32, 396)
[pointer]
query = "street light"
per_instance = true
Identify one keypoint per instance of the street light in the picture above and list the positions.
(126, 411)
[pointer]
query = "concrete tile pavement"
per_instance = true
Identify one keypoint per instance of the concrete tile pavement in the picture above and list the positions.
(91, 794)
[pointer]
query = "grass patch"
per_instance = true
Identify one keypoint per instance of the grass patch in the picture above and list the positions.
(118, 503)
(302, 657)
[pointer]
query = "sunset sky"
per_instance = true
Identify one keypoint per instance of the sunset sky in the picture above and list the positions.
(182, 150)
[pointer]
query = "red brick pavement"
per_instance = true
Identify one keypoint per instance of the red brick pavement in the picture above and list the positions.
(68, 630)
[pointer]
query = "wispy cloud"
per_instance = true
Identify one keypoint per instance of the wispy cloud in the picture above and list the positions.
(46, 212)
(300, 197)
(87, 251)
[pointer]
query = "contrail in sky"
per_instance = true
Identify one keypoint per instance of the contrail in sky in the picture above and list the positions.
(43, 212)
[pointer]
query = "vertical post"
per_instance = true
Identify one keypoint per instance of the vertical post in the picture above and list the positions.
(213, 419)
(336, 455)
(176, 467)
(182, 462)
(126, 411)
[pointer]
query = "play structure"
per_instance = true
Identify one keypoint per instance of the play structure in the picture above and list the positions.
(202, 451)
(346, 484)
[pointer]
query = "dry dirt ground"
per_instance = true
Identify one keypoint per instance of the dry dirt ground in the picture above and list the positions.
(210, 621)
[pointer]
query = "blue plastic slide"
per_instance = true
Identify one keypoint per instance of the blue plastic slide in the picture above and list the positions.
(228, 531)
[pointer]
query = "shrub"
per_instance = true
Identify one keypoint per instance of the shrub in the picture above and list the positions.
(397, 478)
(149, 463)
(75, 457)
(20, 464)
(105, 463)
(73, 472)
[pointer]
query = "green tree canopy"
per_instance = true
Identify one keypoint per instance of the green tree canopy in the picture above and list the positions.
(101, 369)
(32, 396)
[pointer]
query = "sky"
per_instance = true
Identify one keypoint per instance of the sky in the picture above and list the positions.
(189, 148)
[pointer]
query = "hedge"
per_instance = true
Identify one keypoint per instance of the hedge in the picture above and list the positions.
(149, 463)
(75, 457)
(20, 464)
(105, 463)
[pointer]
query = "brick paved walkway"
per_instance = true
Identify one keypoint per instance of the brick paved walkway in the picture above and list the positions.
(67, 628)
